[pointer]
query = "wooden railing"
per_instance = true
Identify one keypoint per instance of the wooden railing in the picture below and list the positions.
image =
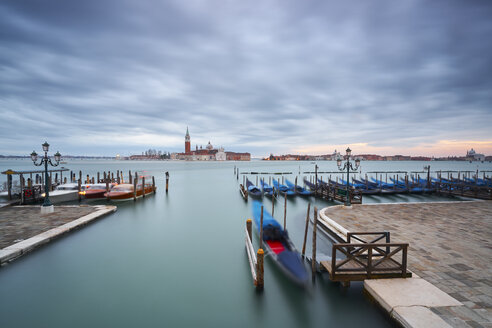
(369, 261)
(379, 235)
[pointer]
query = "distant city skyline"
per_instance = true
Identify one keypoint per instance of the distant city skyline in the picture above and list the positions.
(408, 77)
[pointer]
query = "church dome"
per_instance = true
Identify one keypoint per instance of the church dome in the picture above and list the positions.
(209, 146)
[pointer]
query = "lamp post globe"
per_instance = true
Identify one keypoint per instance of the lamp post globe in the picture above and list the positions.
(46, 147)
(57, 156)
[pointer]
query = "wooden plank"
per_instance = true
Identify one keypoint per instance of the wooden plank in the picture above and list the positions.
(359, 276)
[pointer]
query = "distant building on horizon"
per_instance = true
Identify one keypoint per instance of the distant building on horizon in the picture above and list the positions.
(471, 155)
(208, 154)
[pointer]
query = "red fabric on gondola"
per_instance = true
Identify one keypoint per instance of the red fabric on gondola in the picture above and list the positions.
(276, 246)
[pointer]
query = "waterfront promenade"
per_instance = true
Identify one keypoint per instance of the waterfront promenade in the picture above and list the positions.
(24, 228)
(450, 247)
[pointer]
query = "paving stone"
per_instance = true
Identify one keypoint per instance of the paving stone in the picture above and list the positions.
(23, 222)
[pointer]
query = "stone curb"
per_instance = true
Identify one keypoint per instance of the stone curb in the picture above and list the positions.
(12, 252)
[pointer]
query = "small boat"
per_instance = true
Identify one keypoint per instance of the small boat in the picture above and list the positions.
(266, 188)
(96, 191)
(298, 189)
(64, 193)
(283, 189)
(125, 191)
(279, 246)
(253, 190)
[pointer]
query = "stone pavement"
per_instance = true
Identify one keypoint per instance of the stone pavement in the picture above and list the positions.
(450, 247)
(19, 223)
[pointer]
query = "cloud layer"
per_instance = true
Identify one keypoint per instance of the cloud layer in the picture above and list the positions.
(111, 77)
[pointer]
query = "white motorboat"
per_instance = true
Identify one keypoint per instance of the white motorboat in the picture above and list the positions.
(64, 193)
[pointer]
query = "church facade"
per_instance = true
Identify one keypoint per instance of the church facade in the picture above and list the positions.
(209, 153)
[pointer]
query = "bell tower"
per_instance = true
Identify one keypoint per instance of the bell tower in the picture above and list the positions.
(187, 142)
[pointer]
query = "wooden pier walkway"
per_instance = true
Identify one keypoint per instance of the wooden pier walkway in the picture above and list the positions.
(333, 192)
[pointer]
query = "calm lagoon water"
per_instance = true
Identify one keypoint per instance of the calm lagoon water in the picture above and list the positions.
(178, 259)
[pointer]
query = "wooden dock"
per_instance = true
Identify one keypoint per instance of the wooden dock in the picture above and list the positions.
(464, 190)
(29, 191)
(332, 192)
(450, 249)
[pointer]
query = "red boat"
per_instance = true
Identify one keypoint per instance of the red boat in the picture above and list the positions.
(96, 191)
(125, 191)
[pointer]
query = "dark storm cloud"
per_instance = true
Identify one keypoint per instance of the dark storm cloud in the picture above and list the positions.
(260, 76)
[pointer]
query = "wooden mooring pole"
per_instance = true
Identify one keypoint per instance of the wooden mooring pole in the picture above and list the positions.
(107, 187)
(249, 224)
(153, 184)
(306, 231)
(273, 201)
(260, 269)
(261, 228)
(313, 260)
(135, 188)
(143, 187)
(285, 211)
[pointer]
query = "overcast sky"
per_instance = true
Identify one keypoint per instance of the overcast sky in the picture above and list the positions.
(121, 76)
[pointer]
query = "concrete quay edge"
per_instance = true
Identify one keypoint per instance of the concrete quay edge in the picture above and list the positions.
(406, 300)
(14, 251)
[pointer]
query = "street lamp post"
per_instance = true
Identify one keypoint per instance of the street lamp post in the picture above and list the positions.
(428, 168)
(45, 160)
(348, 166)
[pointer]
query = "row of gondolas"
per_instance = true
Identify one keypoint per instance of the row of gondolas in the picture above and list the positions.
(288, 189)
(412, 184)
